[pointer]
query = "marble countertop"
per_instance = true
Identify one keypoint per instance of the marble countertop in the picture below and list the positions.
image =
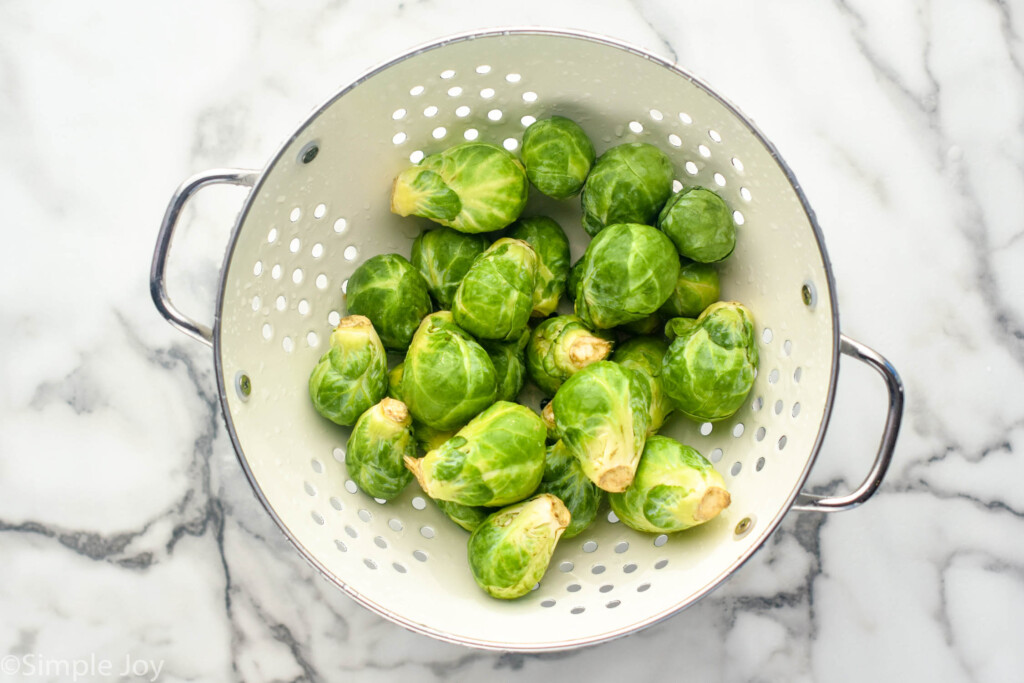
(128, 533)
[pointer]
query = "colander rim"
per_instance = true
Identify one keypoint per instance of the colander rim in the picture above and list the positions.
(593, 639)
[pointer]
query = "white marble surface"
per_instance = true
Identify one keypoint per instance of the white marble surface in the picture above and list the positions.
(127, 530)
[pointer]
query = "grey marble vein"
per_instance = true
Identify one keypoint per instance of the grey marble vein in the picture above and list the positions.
(641, 9)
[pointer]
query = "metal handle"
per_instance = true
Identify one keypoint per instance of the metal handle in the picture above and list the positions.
(809, 502)
(157, 287)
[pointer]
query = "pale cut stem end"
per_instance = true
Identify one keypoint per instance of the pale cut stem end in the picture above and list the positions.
(560, 515)
(548, 415)
(617, 479)
(353, 321)
(394, 410)
(402, 208)
(586, 350)
(715, 500)
(558, 510)
(415, 465)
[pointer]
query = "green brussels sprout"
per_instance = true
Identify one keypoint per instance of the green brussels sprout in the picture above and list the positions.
(552, 248)
(448, 377)
(443, 256)
(427, 438)
(392, 294)
(627, 273)
(352, 375)
(558, 156)
(601, 414)
(645, 355)
(628, 184)
(395, 382)
(560, 347)
(564, 478)
(496, 459)
(469, 517)
(696, 289)
(709, 368)
(511, 550)
(377, 448)
(700, 225)
(675, 488)
(495, 298)
(677, 326)
(509, 359)
(472, 187)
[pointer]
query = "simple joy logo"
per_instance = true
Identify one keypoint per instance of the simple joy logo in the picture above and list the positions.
(34, 665)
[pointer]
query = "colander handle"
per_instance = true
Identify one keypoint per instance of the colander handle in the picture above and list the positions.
(157, 271)
(809, 502)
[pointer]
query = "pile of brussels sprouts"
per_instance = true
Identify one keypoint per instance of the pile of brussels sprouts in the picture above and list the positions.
(473, 315)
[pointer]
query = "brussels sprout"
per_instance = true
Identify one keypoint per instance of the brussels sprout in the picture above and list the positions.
(377, 448)
(602, 414)
(552, 248)
(395, 382)
(509, 359)
(564, 478)
(675, 488)
(700, 225)
(496, 459)
(472, 187)
(511, 550)
(710, 367)
(645, 355)
(467, 516)
(448, 377)
(495, 297)
(628, 184)
(443, 256)
(677, 326)
(696, 289)
(558, 156)
(561, 346)
(392, 294)
(627, 273)
(352, 375)
(427, 438)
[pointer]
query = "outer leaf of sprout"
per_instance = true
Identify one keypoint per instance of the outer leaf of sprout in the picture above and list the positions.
(675, 488)
(627, 273)
(392, 294)
(496, 459)
(558, 156)
(377, 447)
(511, 550)
(447, 376)
(352, 375)
(710, 367)
(628, 184)
(472, 187)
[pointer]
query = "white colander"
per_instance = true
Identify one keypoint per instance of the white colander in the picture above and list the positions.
(321, 207)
